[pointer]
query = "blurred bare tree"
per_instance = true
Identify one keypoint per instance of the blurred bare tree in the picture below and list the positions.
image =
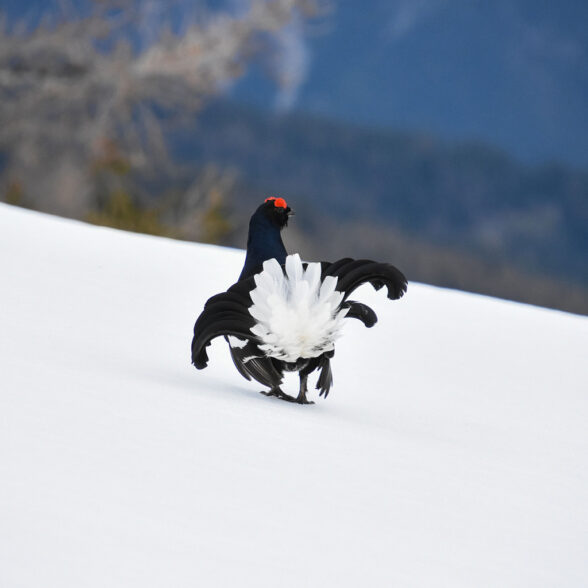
(74, 84)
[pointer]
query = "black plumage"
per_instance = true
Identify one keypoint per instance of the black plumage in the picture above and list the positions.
(228, 314)
(264, 240)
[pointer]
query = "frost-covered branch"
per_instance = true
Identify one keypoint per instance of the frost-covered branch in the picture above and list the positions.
(69, 84)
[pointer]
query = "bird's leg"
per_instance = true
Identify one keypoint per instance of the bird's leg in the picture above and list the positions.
(301, 399)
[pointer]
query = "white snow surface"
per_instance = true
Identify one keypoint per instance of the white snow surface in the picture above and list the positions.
(452, 450)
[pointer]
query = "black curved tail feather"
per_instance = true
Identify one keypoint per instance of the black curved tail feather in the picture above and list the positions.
(202, 341)
(360, 311)
(351, 274)
(223, 314)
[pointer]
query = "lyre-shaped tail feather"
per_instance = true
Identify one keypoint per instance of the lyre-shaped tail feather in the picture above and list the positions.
(223, 314)
(352, 273)
(360, 311)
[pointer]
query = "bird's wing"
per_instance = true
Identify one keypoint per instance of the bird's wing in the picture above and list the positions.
(325, 379)
(251, 363)
(352, 273)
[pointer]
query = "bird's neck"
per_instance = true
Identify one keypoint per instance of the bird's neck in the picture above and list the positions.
(264, 242)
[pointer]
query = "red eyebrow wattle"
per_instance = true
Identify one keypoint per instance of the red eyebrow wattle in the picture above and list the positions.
(279, 202)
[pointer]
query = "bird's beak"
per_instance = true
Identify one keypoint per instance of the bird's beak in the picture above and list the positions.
(291, 212)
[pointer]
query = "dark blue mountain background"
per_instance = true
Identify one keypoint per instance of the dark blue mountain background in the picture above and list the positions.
(512, 73)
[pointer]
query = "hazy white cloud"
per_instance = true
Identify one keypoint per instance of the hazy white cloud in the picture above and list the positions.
(292, 63)
(408, 14)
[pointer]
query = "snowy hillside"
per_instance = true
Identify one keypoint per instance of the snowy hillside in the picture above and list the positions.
(452, 450)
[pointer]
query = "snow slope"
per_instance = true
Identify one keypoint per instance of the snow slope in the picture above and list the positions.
(452, 451)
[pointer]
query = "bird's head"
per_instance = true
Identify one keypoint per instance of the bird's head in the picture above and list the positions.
(277, 211)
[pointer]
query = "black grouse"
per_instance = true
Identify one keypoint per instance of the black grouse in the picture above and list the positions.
(283, 314)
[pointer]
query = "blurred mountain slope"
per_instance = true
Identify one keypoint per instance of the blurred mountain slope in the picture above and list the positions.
(470, 197)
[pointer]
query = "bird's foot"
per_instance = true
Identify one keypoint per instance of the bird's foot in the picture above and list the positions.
(276, 392)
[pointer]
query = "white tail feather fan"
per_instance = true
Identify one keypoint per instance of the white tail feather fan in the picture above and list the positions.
(297, 315)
